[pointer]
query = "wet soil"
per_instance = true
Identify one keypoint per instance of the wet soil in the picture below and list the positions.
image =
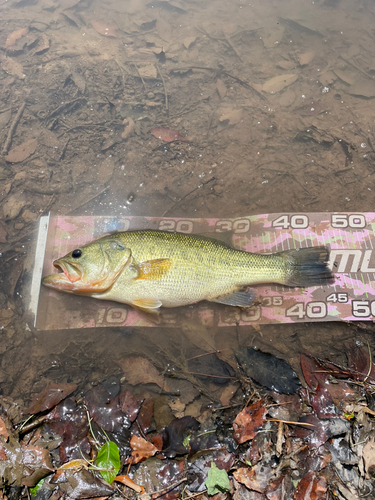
(276, 101)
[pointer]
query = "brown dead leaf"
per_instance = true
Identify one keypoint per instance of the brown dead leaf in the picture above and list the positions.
(43, 44)
(306, 58)
(129, 128)
(278, 83)
(221, 88)
(37, 462)
(141, 450)
(3, 235)
(138, 370)
(104, 28)
(12, 67)
(129, 483)
(14, 36)
(21, 152)
(227, 394)
(248, 421)
(257, 478)
(311, 487)
(368, 455)
(3, 429)
(129, 405)
(168, 134)
(49, 397)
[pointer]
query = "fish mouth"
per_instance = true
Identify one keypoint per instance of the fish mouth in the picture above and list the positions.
(66, 278)
(72, 272)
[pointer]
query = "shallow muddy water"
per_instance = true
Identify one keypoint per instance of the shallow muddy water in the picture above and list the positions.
(275, 99)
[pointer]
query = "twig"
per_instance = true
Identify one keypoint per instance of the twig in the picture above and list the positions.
(63, 151)
(13, 128)
(169, 488)
(290, 422)
(90, 199)
(140, 76)
(370, 364)
(207, 354)
(211, 376)
(219, 71)
(165, 88)
(227, 38)
(186, 195)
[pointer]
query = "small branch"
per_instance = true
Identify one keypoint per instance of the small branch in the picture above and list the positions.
(165, 88)
(13, 128)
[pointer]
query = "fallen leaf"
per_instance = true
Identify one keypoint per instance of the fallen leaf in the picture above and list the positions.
(278, 83)
(129, 483)
(3, 429)
(13, 37)
(306, 58)
(84, 484)
(129, 128)
(37, 462)
(108, 460)
(138, 370)
(49, 397)
(104, 409)
(230, 117)
(13, 205)
(248, 421)
(362, 88)
(228, 392)
(359, 361)
(143, 420)
(104, 28)
(3, 232)
(168, 134)
(317, 380)
(21, 152)
(129, 405)
(175, 434)
(311, 487)
(268, 370)
(141, 450)
(257, 478)
(189, 41)
(201, 464)
(12, 67)
(221, 88)
(368, 455)
(217, 480)
(148, 71)
(43, 44)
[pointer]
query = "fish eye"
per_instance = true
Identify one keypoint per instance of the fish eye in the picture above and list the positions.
(76, 254)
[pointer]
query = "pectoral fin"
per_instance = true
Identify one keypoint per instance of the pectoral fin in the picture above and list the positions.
(153, 269)
(147, 304)
(240, 298)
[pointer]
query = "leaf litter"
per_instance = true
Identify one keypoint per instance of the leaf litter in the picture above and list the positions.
(326, 450)
(309, 443)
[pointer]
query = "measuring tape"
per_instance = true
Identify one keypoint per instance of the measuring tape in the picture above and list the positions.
(350, 237)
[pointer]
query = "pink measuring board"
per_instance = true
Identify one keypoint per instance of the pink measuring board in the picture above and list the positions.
(350, 237)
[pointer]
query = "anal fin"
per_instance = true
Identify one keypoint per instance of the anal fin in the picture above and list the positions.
(149, 305)
(239, 298)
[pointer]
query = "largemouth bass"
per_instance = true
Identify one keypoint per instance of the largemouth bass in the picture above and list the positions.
(149, 269)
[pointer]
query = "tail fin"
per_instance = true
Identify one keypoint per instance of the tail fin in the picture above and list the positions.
(308, 267)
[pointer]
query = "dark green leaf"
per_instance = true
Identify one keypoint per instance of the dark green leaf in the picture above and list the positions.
(36, 488)
(108, 459)
(217, 480)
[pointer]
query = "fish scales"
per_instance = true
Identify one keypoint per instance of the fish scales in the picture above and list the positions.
(201, 268)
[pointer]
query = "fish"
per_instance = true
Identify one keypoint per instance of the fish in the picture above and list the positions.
(149, 269)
